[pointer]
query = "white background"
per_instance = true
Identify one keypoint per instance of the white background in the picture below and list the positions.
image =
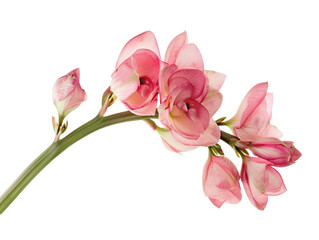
(120, 182)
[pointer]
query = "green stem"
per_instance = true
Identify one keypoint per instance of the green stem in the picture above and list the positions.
(58, 147)
(227, 138)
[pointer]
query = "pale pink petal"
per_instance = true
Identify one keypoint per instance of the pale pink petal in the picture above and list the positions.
(144, 40)
(76, 98)
(182, 92)
(148, 109)
(220, 181)
(165, 74)
(212, 101)
(271, 131)
(171, 143)
(247, 133)
(276, 185)
(174, 47)
(256, 171)
(163, 114)
(216, 79)
(258, 199)
(195, 77)
(259, 121)
(190, 57)
(255, 124)
(65, 85)
(192, 123)
(125, 82)
(261, 117)
(217, 202)
(251, 101)
(208, 138)
(146, 63)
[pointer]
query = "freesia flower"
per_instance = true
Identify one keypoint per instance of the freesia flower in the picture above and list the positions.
(67, 93)
(251, 121)
(189, 95)
(135, 80)
(221, 181)
(188, 109)
(260, 180)
(279, 153)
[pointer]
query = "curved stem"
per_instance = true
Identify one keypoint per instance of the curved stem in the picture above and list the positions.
(58, 147)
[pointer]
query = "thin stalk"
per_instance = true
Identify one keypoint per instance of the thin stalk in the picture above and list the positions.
(58, 147)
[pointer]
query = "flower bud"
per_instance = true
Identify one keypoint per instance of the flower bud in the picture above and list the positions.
(278, 153)
(221, 181)
(260, 180)
(67, 93)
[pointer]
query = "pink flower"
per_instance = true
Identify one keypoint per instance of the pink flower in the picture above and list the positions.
(188, 109)
(67, 93)
(135, 80)
(260, 180)
(251, 121)
(279, 153)
(221, 181)
(189, 95)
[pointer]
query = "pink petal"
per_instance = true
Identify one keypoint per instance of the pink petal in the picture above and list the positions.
(146, 63)
(271, 131)
(165, 74)
(295, 155)
(65, 85)
(212, 101)
(276, 185)
(195, 77)
(182, 91)
(76, 98)
(258, 199)
(251, 101)
(192, 123)
(220, 181)
(190, 57)
(148, 109)
(257, 123)
(174, 47)
(171, 143)
(125, 82)
(217, 202)
(208, 138)
(144, 40)
(163, 114)
(216, 79)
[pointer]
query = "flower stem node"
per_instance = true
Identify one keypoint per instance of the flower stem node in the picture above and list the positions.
(108, 99)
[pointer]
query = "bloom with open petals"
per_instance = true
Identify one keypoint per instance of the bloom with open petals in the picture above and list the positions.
(189, 95)
(221, 181)
(188, 109)
(135, 80)
(251, 121)
(67, 93)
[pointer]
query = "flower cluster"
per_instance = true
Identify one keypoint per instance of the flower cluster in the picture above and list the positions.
(188, 94)
(184, 97)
